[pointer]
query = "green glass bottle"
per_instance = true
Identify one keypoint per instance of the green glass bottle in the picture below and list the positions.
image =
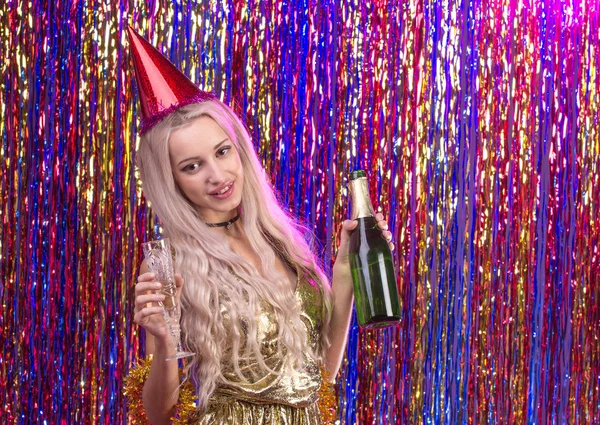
(370, 257)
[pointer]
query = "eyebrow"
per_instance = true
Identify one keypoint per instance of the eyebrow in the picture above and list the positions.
(197, 157)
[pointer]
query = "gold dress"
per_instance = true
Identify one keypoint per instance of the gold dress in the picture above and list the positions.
(271, 399)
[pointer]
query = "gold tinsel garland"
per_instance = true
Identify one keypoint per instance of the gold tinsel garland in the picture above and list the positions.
(327, 399)
(185, 408)
(134, 385)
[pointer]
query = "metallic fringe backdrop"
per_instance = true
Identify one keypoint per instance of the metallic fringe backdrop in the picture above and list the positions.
(477, 122)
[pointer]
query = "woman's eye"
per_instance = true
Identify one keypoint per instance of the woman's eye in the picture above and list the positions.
(223, 150)
(192, 167)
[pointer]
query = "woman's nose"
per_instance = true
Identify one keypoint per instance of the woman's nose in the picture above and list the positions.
(215, 174)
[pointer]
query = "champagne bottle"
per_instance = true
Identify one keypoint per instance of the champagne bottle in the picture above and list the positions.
(370, 257)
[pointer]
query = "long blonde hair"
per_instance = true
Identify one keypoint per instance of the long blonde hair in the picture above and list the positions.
(204, 257)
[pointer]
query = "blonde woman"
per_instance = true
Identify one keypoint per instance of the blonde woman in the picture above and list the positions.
(257, 309)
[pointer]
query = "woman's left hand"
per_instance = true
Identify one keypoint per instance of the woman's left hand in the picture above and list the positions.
(342, 264)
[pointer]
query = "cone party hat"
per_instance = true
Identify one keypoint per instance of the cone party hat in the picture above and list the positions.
(162, 87)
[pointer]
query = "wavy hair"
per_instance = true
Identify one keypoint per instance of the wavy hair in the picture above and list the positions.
(205, 259)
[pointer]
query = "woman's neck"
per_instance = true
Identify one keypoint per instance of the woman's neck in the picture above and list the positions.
(235, 231)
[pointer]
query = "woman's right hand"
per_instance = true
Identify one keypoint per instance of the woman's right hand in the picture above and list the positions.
(147, 312)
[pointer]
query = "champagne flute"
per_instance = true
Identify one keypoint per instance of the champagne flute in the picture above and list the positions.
(159, 260)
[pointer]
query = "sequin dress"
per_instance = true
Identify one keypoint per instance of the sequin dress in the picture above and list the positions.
(270, 399)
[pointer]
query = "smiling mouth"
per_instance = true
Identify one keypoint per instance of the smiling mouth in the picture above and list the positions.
(224, 190)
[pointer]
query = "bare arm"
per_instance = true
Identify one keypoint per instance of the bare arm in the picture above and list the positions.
(343, 298)
(161, 389)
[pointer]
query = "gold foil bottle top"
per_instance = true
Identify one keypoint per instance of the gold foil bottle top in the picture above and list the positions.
(359, 192)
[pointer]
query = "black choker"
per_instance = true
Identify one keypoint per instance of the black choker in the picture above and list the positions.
(225, 223)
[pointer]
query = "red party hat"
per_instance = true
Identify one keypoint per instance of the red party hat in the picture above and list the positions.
(161, 86)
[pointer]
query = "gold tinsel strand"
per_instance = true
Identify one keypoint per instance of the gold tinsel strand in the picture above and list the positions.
(134, 385)
(327, 399)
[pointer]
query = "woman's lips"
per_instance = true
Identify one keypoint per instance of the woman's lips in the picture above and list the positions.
(226, 194)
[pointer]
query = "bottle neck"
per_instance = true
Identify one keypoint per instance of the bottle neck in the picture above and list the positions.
(361, 202)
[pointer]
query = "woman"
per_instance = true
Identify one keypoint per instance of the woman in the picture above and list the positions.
(256, 306)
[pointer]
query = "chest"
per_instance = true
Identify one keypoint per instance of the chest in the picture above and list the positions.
(245, 250)
(266, 323)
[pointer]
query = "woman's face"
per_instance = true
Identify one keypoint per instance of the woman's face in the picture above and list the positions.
(207, 168)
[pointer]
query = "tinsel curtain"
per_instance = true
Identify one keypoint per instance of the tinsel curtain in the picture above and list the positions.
(476, 121)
